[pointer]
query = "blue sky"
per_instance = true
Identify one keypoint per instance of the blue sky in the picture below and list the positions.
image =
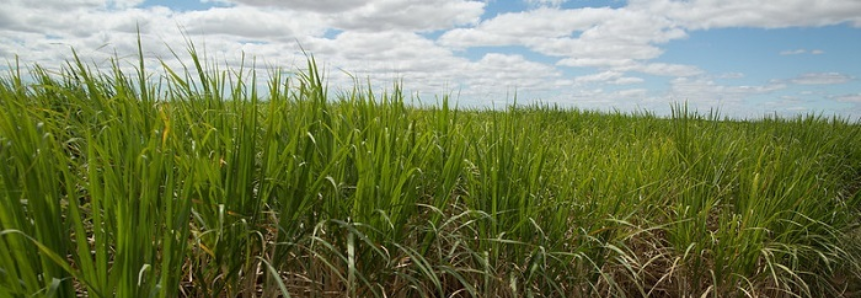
(747, 58)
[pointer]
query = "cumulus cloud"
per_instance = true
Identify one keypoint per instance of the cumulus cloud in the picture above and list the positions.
(624, 65)
(325, 6)
(821, 78)
(707, 14)
(793, 52)
(526, 27)
(426, 42)
(386, 48)
(632, 92)
(545, 2)
(595, 62)
(704, 89)
(501, 70)
(854, 98)
(59, 5)
(703, 94)
(377, 15)
(608, 77)
(428, 67)
(273, 31)
(123, 4)
(425, 15)
(665, 69)
(249, 22)
(730, 75)
(801, 51)
(587, 36)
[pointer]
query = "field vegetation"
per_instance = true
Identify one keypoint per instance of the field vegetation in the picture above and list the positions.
(190, 183)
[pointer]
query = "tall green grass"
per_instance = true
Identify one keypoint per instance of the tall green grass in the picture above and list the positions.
(190, 183)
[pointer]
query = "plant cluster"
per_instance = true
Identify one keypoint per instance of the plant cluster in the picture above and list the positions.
(115, 186)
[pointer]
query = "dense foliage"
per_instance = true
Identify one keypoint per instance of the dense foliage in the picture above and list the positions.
(114, 186)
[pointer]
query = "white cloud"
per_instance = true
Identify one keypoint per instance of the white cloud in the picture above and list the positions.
(793, 52)
(703, 89)
(526, 27)
(595, 62)
(386, 40)
(730, 75)
(123, 4)
(423, 15)
(378, 15)
(821, 78)
(801, 51)
(384, 49)
(423, 65)
(554, 3)
(633, 92)
(664, 69)
(324, 6)
(608, 77)
(271, 32)
(515, 71)
(42, 35)
(703, 94)
(624, 65)
(854, 98)
(627, 81)
(428, 67)
(706, 14)
(596, 49)
(583, 37)
(58, 5)
(250, 23)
